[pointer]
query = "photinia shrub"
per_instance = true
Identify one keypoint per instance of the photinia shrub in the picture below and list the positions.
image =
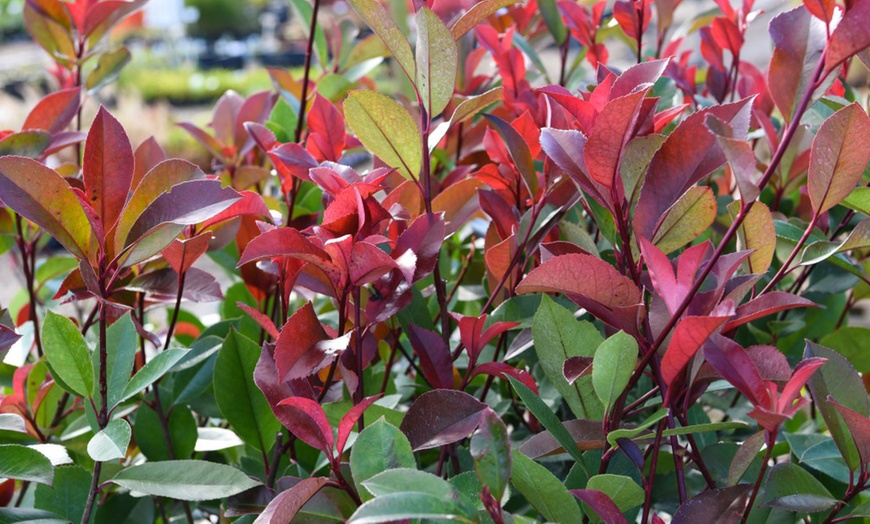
(578, 263)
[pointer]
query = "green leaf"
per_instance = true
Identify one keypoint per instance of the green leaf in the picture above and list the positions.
(436, 62)
(305, 10)
(54, 267)
(380, 447)
(852, 343)
(838, 379)
(386, 129)
(478, 12)
(558, 336)
(122, 341)
(151, 371)
(29, 516)
(109, 65)
(30, 144)
(405, 480)
(240, 401)
(491, 450)
(376, 17)
(858, 200)
(544, 491)
(23, 463)
(622, 490)
(701, 428)
(613, 366)
(68, 496)
(547, 418)
(617, 434)
(821, 250)
(151, 439)
(403, 506)
(111, 442)
(553, 19)
(745, 456)
(184, 480)
(792, 488)
(67, 352)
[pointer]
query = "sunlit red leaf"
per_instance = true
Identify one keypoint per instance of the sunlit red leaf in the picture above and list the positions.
(839, 155)
(349, 420)
(305, 419)
(54, 112)
(107, 167)
(798, 40)
(691, 332)
(851, 35)
(303, 346)
(765, 305)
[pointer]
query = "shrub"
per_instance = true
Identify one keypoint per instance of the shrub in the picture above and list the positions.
(621, 296)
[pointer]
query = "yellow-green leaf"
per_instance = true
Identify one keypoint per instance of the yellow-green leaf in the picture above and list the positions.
(689, 217)
(376, 17)
(386, 129)
(436, 62)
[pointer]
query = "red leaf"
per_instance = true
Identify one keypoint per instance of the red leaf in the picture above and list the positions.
(636, 75)
(54, 112)
(851, 35)
(287, 504)
(349, 420)
(839, 155)
(288, 242)
(214, 147)
(613, 129)
(263, 320)
(565, 148)
(519, 152)
(798, 40)
(859, 428)
(181, 254)
(435, 361)
(102, 15)
(418, 247)
(691, 332)
(107, 167)
(500, 369)
(821, 9)
(590, 282)
(576, 367)
(601, 504)
(326, 129)
(162, 285)
(734, 364)
(256, 108)
(147, 156)
(305, 419)
(587, 434)
(251, 203)
(303, 348)
(429, 424)
(765, 305)
(688, 155)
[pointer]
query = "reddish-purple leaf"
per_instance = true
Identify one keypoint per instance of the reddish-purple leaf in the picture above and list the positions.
(417, 248)
(839, 155)
(326, 130)
(798, 42)
(802, 373)
(851, 35)
(590, 282)
(251, 203)
(435, 361)
(103, 15)
(368, 263)
(500, 369)
(274, 389)
(288, 242)
(287, 504)
(262, 135)
(256, 108)
(349, 420)
(162, 285)
(42, 196)
(688, 155)
(714, 506)
(305, 419)
(519, 151)
(588, 434)
(771, 363)
(601, 504)
(182, 253)
(765, 305)
(440, 417)
(263, 320)
(734, 364)
(691, 332)
(662, 274)
(576, 367)
(107, 167)
(565, 148)
(859, 428)
(147, 156)
(303, 348)
(54, 112)
(633, 77)
(613, 128)
(207, 141)
(821, 9)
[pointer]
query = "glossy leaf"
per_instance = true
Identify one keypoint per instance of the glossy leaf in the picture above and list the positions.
(42, 196)
(107, 167)
(745, 456)
(838, 157)
(689, 217)
(613, 366)
(601, 504)
(23, 463)
(386, 129)
(851, 35)
(239, 399)
(436, 62)
(491, 451)
(544, 491)
(369, 456)
(111, 442)
(792, 488)
(287, 504)
(689, 335)
(305, 419)
(152, 371)
(402, 506)
(68, 354)
(859, 429)
(607, 140)
(184, 479)
(428, 425)
(718, 505)
(622, 490)
(591, 283)
(798, 40)
(478, 12)
(54, 112)
(376, 17)
(837, 378)
(548, 419)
